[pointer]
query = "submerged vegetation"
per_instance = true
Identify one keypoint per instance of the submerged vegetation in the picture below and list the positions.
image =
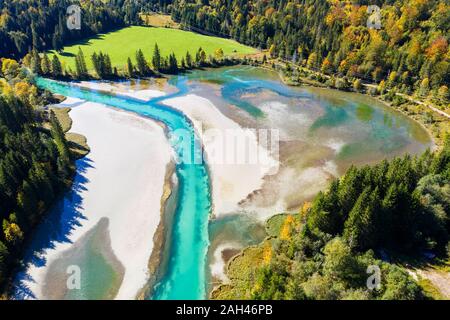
(369, 217)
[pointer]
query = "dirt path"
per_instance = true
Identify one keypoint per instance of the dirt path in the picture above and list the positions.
(424, 104)
(439, 279)
(371, 85)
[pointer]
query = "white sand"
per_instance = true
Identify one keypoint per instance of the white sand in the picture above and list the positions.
(120, 89)
(231, 181)
(129, 155)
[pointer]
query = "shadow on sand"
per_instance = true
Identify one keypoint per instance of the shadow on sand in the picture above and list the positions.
(55, 228)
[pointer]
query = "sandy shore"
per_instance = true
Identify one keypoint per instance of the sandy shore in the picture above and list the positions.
(120, 89)
(232, 180)
(122, 180)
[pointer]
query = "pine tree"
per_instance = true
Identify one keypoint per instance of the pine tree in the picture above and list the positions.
(46, 65)
(35, 37)
(173, 64)
(188, 60)
(96, 63)
(130, 68)
(107, 65)
(141, 63)
(56, 67)
(4, 254)
(57, 41)
(361, 226)
(35, 62)
(59, 137)
(202, 55)
(156, 60)
(80, 64)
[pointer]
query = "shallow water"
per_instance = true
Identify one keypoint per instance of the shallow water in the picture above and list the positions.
(322, 133)
(185, 278)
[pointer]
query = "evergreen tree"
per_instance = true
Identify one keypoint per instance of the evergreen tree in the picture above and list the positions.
(96, 63)
(56, 67)
(141, 63)
(130, 68)
(35, 62)
(46, 65)
(173, 64)
(107, 65)
(80, 64)
(188, 60)
(156, 60)
(57, 41)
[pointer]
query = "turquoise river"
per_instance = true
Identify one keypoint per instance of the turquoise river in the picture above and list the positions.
(366, 130)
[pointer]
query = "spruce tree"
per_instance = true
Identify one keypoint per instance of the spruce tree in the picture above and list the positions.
(46, 65)
(56, 67)
(80, 64)
(188, 60)
(156, 60)
(96, 63)
(173, 64)
(141, 63)
(130, 68)
(36, 62)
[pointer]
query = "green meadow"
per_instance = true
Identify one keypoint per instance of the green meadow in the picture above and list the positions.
(125, 42)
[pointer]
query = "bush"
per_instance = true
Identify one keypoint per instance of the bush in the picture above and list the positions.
(341, 84)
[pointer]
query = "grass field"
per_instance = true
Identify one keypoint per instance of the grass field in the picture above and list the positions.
(124, 43)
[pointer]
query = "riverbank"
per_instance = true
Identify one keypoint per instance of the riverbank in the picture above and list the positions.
(121, 180)
(228, 164)
(434, 121)
(212, 126)
(317, 132)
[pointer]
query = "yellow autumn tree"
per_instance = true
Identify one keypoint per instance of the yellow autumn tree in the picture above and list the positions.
(5, 88)
(326, 66)
(218, 54)
(22, 89)
(443, 93)
(304, 210)
(272, 51)
(285, 233)
(267, 253)
(12, 232)
(10, 68)
(312, 60)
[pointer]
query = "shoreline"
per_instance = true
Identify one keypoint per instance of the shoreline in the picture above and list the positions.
(193, 107)
(437, 143)
(160, 239)
(226, 192)
(134, 128)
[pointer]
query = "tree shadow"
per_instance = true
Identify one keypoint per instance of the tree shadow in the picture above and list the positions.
(66, 54)
(55, 228)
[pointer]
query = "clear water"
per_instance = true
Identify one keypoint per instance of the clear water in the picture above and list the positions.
(185, 278)
(370, 133)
